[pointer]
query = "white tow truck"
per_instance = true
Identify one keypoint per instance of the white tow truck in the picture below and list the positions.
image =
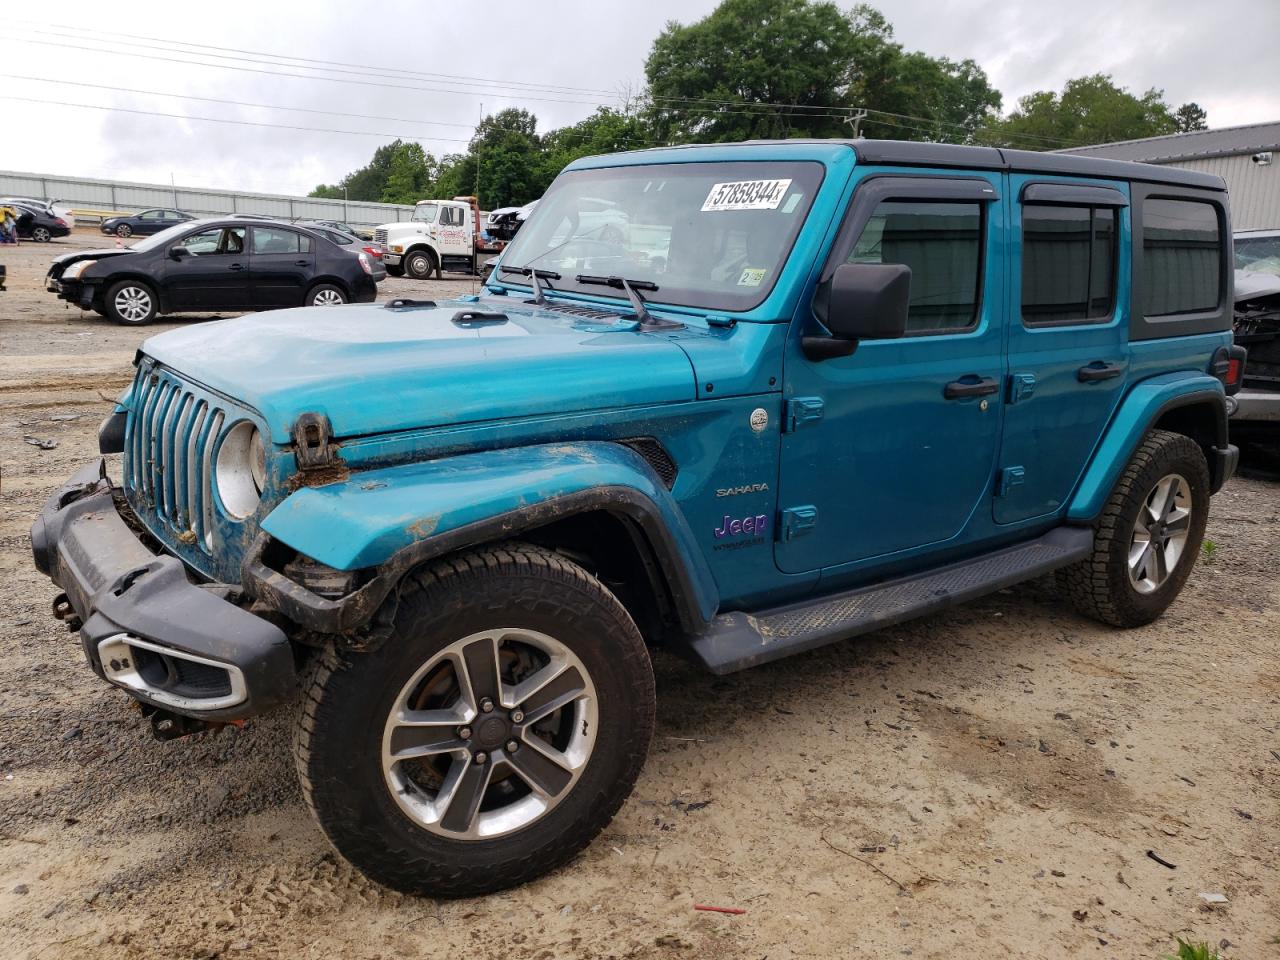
(441, 235)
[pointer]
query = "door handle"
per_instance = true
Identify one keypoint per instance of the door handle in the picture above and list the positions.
(236, 266)
(302, 263)
(977, 387)
(1099, 370)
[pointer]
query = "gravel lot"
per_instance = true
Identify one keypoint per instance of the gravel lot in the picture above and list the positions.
(986, 781)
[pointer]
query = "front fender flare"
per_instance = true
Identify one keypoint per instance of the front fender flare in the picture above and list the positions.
(1138, 411)
(395, 518)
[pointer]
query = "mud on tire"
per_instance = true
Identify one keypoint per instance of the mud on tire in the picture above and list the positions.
(1101, 586)
(344, 724)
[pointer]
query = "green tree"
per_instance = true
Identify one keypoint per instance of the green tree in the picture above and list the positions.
(411, 176)
(1190, 117)
(1089, 110)
(368, 182)
(605, 131)
(786, 68)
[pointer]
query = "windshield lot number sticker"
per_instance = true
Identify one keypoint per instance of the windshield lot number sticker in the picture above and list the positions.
(751, 277)
(746, 195)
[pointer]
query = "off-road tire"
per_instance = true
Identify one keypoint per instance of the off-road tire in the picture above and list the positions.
(338, 742)
(1099, 586)
(420, 264)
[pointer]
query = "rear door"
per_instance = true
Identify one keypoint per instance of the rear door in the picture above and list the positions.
(282, 264)
(1068, 344)
(213, 274)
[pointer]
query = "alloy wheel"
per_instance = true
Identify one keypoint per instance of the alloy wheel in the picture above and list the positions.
(1160, 533)
(124, 230)
(490, 734)
(41, 235)
(326, 298)
(133, 304)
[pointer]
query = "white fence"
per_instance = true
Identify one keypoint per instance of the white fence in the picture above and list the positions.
(82, 193)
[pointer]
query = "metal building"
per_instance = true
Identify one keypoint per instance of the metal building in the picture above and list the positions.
(1248, 158)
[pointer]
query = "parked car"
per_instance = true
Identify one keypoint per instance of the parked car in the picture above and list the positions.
(144, 224)
(867, 381)
(1255, 410)
(53, 208)
(503, 223)
(347, 240)
(357, 232)
(217, 264)
(38, 224)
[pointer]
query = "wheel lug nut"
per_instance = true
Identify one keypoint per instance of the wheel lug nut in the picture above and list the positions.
(486, 705)
(481, 757)
(464, 733)
(517, 716)
(512, 746)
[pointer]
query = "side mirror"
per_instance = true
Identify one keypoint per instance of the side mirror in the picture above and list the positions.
(177, 253)
(865, 301)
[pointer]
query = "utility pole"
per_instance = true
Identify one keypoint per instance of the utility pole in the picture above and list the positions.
(854, 120)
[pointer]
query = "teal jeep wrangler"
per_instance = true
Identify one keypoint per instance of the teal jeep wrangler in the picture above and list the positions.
(736, 401)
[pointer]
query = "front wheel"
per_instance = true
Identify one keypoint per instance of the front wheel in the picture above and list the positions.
(124, 231)
(131, 302)
(491, 737)
(1148, 535)
(420, 264)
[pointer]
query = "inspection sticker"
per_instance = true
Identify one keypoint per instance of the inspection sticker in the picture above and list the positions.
(746, 195)
(751, 277)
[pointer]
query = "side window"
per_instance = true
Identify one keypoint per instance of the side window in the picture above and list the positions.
(215, 241)
(942, 244)
(270, 240)
(451, 216)
(1181, 257)
(150, 215)
(1068, 264)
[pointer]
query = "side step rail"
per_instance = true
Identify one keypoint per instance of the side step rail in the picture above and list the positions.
(735, 640)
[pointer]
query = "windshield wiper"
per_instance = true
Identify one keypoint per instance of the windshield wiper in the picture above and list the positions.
(637, 302)
(533, 275)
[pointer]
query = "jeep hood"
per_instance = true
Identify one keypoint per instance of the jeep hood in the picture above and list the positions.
(372, 368)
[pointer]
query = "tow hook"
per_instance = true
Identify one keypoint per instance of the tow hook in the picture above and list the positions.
(64, 611)
(171, 726)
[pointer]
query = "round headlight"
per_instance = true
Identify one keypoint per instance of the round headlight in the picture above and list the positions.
(241, 469)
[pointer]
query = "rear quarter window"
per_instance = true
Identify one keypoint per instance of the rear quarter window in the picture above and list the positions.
(1181, 257)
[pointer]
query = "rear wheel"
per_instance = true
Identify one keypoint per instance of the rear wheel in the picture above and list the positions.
(131, 302)
(1148, 536)
(491, 737)
(41, 234)
(420, 264)
(124, 230)
(325, 295)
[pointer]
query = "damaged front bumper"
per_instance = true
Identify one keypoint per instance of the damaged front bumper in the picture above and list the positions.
(173, 644)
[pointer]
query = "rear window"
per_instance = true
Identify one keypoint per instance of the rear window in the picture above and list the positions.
(1182, 254)
(1068, 264)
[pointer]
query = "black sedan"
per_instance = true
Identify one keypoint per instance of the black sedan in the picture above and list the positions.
(38, 224)
(221, 264)
(146, 223)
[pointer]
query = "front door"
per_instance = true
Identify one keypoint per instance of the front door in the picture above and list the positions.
(892, 448)
(211, 273)
(1068, 339)
(281, 267)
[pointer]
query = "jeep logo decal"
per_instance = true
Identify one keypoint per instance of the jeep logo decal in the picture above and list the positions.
(751, 526)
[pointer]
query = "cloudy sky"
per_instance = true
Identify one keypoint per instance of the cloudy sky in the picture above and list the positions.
(424, 70)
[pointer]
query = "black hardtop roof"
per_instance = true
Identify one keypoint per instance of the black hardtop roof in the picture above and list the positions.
(916, 153)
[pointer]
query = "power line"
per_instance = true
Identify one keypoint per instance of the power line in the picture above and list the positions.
(243, 123)
(234, 103)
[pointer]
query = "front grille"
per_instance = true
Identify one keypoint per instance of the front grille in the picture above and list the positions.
(170, 439)
(380, 236)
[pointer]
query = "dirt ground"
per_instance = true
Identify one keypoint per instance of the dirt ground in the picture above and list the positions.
(993, 781)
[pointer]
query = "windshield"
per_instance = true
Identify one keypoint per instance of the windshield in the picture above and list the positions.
(425, 212)
(1260, 254)
(165, 236)
(709, 235)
